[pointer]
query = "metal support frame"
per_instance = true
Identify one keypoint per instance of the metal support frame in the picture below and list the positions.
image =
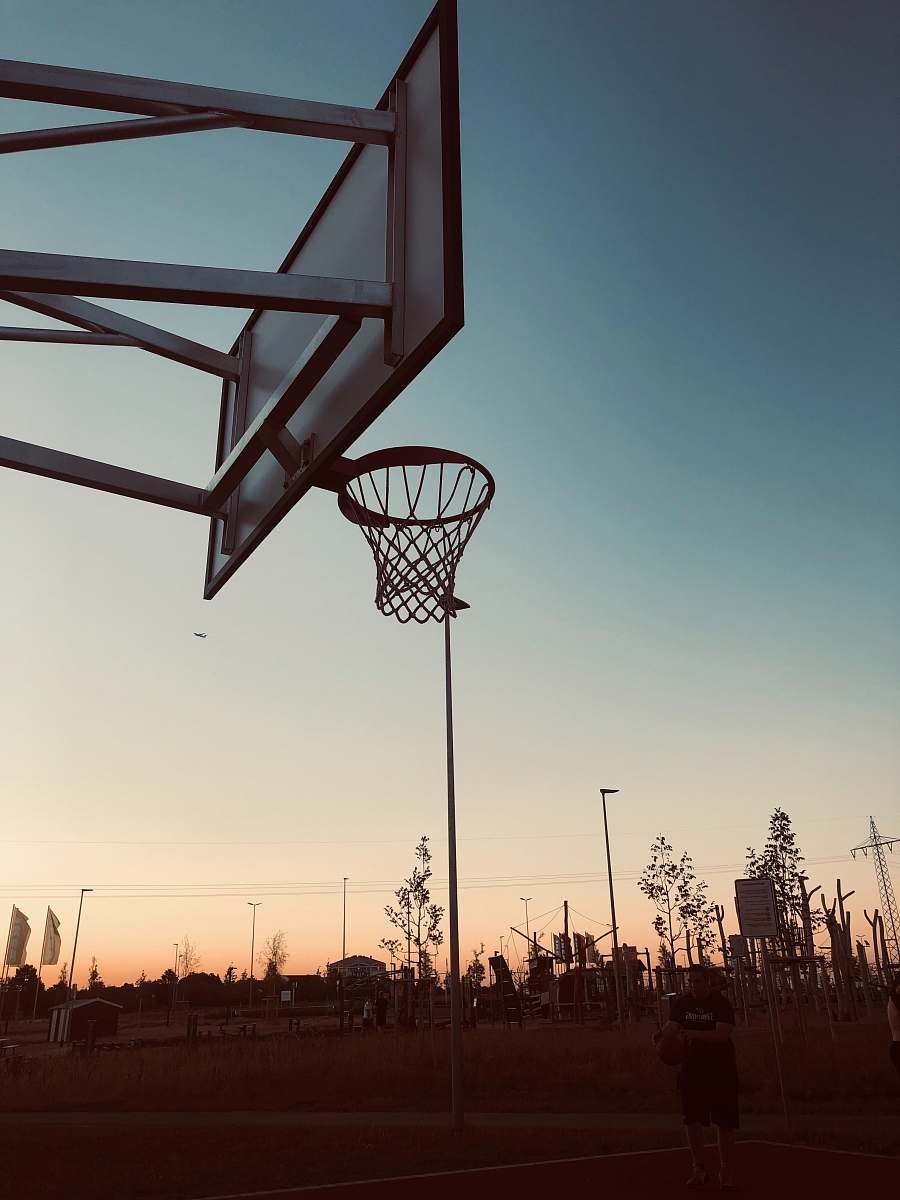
(172, 283)
(395, 249)
(95, 319)
(63, 337)
(51, 284)
(161, 97)
(333, 337)
(102, 477)
(116, 131)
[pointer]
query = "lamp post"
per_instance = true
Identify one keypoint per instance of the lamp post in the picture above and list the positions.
(525, 900)
(75, 944)
(254, 906)
(604, 792)
(344, 928)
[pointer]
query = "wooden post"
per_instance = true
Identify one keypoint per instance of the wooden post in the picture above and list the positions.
(876, 948)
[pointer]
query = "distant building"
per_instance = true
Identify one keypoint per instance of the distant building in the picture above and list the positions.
(70, 1022)
(357, 966)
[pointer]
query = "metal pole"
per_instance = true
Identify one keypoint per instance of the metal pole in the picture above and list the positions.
(612, 908)
(344, 928)
(75, 943)
(527, 928)
(252, 945)
(37, 982)
(456, 1056)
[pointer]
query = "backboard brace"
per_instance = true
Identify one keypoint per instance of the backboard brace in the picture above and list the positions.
(369, 293)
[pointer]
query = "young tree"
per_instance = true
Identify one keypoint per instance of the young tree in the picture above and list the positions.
(190, 957)
(274, 954)
(780, 860)
(416, 917)
(95, 982)
(230, 975)
(475, 969)
(684, 913)
(64, 974)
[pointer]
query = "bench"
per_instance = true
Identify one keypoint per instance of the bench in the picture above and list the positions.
(7, 1048)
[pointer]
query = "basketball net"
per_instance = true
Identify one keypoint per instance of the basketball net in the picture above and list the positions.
(417, 508)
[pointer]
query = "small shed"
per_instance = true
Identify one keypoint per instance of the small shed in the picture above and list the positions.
(70, 1022)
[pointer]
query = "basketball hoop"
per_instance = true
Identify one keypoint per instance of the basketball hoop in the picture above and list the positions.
(417, 507)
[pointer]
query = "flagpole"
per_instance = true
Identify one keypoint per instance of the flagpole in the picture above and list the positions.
(37, 986)
(4, 975)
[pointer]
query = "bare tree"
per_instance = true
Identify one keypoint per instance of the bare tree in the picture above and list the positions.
(190, 957)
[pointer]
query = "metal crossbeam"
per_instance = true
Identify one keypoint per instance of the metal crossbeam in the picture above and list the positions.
(68, 337)
(331, 340)
(96, 319)
(103, 477)
(161, 97)
(116, 131)
(222, 287)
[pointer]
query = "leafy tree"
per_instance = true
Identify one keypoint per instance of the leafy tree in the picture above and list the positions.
(230, 976)
(64, 973)
(95, 981)
(684, 913)
(780, 860)
(274, 954)
(475, 969)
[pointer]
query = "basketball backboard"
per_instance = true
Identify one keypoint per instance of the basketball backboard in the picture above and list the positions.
(349, 236)
(368, 294)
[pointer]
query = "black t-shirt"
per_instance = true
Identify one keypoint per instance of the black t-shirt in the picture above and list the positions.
(701, 1016)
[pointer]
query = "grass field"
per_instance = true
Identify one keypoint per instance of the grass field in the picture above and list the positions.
(556, 1068)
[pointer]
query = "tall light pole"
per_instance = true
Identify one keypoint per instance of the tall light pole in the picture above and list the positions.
(344, 928)
(525, 900)
(254, 906)
(75, 944)
(604, 792)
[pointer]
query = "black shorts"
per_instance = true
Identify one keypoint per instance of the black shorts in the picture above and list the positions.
(895, 1056)
(709, 1095)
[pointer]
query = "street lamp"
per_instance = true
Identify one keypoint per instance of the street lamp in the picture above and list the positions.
(253, 944)
(75, 944)
(604, 792)
(525, 900)
(344, 928)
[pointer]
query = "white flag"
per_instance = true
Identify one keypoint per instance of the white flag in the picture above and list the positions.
(19, 933)
(52, 940)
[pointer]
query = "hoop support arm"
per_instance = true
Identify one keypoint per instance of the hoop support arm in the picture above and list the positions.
(116, 131)
(161, 97)
(332, 339)
(67, 337)
(96, 319)
(222, 287)
(103, 477)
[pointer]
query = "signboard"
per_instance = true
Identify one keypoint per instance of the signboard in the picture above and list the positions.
(285, 997)
(737, 944)
(754, 900)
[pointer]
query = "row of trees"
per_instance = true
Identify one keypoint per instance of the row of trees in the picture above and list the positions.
(190, 985)
(687, 919)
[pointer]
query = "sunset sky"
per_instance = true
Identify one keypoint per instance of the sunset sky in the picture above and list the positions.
(680, 362)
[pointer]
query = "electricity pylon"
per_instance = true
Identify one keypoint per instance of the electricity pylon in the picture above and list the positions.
(876, 844)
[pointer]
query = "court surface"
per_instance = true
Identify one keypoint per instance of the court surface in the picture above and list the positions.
(764, 1169)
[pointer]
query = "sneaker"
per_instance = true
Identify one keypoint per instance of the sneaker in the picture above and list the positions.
(698, 1177)
(726, 1182)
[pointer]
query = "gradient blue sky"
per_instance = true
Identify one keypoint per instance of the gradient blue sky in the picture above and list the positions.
(680, 361)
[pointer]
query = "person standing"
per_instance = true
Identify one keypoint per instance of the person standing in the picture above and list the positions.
(893, 1016)
(707, 1080)
(381, 1007)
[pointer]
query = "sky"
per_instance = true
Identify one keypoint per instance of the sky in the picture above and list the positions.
(680, 363)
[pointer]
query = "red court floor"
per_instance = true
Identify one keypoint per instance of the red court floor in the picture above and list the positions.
(764, 1169)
